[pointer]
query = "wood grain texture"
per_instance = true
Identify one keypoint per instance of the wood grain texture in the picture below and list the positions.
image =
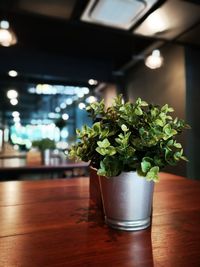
(53, 223)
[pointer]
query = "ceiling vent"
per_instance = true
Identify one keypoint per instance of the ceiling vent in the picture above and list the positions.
(122, 14)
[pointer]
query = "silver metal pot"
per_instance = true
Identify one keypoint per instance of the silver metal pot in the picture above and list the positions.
(127, 201)
(46, 156)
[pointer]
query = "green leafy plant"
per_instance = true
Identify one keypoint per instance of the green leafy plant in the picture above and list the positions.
(43, 144)
(128, 137)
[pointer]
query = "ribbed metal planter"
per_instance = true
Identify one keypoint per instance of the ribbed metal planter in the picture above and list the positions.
(127, 201)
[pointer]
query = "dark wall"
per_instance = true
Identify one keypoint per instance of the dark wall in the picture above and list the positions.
(192, 59)
(161, 86)
(34, 63)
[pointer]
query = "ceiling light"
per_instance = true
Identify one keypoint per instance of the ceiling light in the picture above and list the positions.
(85, 90)
(17, 124)
(4, 24)
(92, 82)
(12, 94)
(64, 133)
(39, 122)
(57, 109)
(12, 73)
(47, 89)
(80, 94)
(32, 90)
(14, 101)
(81, 105)
(63, 105)
(33, 121)
(69, 101)
(7, 36)
(155, 23)
(119, 13)
(170, 20)
(16, 147)
(91, 99)
(39, 89)
(53, 115)
(155, 60)
(65, 116)
(16, 119)
(15, 114)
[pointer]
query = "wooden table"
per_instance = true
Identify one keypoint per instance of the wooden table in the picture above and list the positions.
(14, 172)
(53, 223)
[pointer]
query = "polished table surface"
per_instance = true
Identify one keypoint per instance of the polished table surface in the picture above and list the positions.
(53, 223)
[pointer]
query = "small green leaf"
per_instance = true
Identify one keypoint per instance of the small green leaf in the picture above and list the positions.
(177, 145)
(102, 170)
(175, 120)
(170, 109)
(138, 101)
(111, 151)
(159, 122)
(148, 159)
(167, 129)
(152, 175)
(104, 133)
(138, 111)
(166, 109)
(184, 158)
(101, 151)
(154, 111)
(169, 117)
(124, 128)
(143, 104)
(173, 132)
(170, 142)
(96, 127)
(145, 166)
(105, 143)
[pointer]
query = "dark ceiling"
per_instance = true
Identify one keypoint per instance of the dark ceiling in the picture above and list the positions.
(55, 46)
(65, 48)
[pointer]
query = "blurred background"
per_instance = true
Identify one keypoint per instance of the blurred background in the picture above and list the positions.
(56, 56)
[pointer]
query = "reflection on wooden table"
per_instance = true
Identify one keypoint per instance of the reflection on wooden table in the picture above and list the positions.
(53, 223)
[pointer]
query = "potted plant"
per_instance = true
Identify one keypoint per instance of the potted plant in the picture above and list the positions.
(45, 146)
(128, 144)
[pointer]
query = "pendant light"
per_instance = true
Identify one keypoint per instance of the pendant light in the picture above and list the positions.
(155, 60)
(7, 36)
